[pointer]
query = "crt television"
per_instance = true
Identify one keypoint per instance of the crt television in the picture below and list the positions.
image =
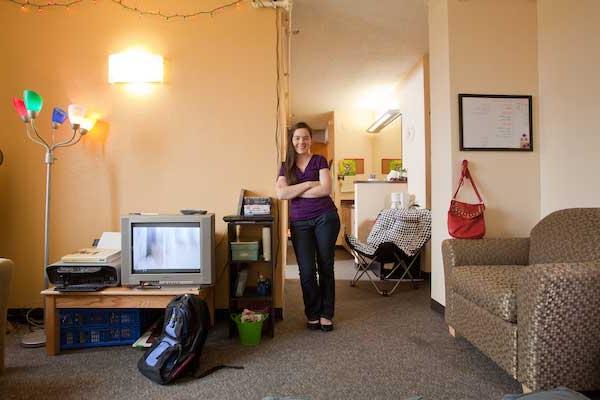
(168, 249)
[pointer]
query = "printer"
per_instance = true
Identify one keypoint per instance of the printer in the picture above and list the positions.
(84, 277)
(89, 269)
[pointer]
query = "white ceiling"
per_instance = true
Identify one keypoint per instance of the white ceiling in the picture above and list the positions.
(345, 48)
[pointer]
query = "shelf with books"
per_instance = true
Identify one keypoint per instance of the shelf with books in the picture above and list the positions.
(259, 261)
(251, 294)
(251, 265)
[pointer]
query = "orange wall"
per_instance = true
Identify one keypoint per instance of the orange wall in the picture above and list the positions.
(193, 142)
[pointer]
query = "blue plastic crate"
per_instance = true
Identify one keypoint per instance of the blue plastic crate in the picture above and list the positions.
(81, 328)
(98, 317)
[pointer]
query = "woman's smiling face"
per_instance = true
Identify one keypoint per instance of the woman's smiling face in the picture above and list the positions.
(301, 141)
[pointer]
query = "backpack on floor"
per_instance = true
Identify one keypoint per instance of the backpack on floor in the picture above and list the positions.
(177, 351)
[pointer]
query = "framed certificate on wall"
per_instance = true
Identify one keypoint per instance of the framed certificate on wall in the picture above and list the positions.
(492, 122)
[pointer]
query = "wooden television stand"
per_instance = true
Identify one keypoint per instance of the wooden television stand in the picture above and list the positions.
(116, 297)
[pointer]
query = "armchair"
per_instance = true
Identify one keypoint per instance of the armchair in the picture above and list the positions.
(6, 267)
(532, 304)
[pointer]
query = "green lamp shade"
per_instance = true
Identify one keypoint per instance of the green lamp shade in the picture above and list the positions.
(33, 101)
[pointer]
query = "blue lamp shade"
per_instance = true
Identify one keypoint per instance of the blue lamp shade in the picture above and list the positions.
(58, 117)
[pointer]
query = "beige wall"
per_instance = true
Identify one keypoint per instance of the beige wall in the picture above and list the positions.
(441, 138)
(411, 94)
(413, 97)
(568, 74)
(188, 144)
(488, 47)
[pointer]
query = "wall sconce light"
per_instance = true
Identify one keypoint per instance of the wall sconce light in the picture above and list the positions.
(135, 66)
(384, 120)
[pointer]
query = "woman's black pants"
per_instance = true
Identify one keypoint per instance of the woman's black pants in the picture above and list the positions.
(314, 245)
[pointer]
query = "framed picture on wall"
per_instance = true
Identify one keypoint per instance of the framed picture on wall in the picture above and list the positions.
(492, 122)
(347, 167)
(388, 164)
(351, 166)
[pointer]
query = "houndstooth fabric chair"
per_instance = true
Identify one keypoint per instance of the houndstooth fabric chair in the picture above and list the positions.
(532, 304)
(397, 237)
(408, 228)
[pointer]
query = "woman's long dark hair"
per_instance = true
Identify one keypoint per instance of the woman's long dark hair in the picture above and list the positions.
(290, 156)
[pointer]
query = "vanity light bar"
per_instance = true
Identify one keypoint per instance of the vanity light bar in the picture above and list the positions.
(384, 120)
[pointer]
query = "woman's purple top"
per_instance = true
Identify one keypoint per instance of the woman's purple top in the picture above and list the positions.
(308, 208)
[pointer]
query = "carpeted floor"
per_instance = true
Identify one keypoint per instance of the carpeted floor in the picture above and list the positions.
(383, 348)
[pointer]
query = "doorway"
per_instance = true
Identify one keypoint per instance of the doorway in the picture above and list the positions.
(323, 144)
(349, 65)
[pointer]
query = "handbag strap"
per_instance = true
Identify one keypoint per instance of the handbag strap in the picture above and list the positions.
(465, 173)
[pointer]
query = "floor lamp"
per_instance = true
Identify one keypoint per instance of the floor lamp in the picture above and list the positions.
(28, 109)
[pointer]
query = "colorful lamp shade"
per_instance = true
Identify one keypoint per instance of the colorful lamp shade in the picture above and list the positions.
(76, 114)
(33, 102)
(19, 106)
(87, 124)
(58, 117)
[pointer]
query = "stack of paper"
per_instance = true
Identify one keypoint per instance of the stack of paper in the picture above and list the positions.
(107, 251)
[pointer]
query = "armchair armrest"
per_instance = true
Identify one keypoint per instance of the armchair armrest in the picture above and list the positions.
(559, 326)
(509, 251)
(6, 268)
(459, 252)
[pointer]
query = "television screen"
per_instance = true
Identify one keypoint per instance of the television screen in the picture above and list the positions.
(169, 250)
(160, 248)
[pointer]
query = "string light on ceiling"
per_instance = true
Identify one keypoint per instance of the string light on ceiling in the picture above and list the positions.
(40, 6)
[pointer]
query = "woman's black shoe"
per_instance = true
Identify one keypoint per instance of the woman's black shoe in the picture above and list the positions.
(327, 328)
(315, 326)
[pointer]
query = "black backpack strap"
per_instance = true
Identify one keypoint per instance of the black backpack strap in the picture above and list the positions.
(214, 369)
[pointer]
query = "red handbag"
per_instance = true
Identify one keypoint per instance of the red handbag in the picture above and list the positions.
(465, 221)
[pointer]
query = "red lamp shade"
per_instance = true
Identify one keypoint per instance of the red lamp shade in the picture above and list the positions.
(19, 105)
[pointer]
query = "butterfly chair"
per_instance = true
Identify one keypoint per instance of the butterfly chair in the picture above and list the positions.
(398, 237)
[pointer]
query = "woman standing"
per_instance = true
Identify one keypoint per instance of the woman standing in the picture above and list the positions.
(304, 179)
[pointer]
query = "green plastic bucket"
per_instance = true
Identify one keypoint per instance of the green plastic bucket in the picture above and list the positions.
(250, 332)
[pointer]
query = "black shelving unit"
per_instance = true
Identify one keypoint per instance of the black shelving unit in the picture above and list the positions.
(251, 299)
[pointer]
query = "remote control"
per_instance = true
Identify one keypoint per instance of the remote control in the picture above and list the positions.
(192, 211)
